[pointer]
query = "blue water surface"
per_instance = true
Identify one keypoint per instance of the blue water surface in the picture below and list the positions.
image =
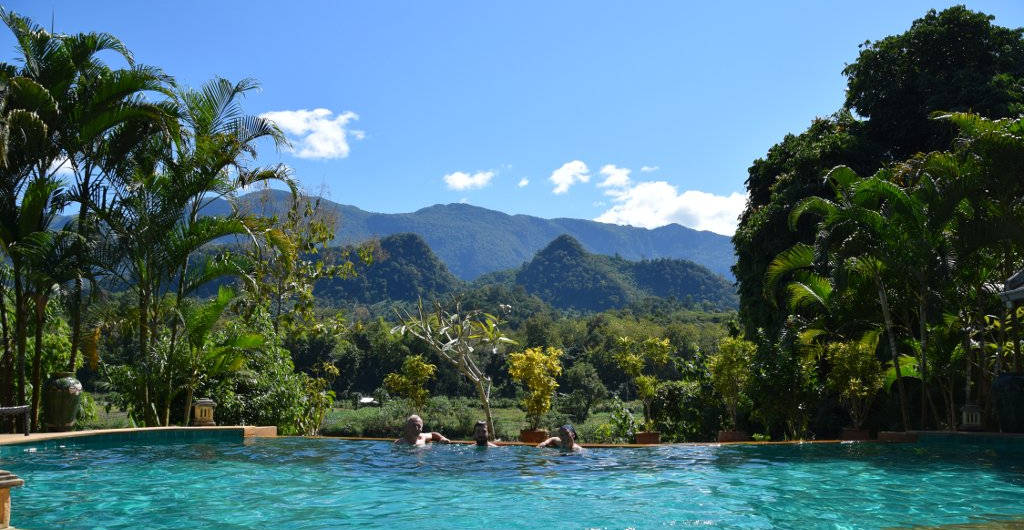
(325, 483)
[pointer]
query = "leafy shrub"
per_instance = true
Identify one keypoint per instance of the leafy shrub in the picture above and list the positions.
(856, 376)
(624, 425)
(536, 369)
(686, 411)
(633, 357)
(730, 371)
(584, 388)
(409, 383)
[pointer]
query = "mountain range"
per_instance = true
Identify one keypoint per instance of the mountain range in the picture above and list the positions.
(473, 241)
(563, 274)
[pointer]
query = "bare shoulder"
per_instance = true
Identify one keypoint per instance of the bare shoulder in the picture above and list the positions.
(554, 440)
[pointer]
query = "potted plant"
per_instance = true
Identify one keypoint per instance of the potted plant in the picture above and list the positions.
(536, 369)
(729, 376)
(633, 357)
(856, 377)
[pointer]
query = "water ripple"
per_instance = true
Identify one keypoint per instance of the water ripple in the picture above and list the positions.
(320, 483)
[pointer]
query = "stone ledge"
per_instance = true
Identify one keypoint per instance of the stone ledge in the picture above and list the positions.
(251, 431)
(21, 439)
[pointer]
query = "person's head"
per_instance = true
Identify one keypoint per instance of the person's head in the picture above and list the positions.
(567, 434)
(413, 426)
(480, 432)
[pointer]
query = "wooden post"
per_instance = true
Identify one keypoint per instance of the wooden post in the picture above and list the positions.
(8, 480)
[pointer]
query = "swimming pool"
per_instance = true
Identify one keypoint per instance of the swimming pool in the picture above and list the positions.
(322, 483)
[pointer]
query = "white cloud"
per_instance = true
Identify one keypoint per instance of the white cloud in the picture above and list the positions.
(615, 177)
(316, 133)
(569, 174)
(658, 203)
(648, 169)
(461, 180)
(523, 182)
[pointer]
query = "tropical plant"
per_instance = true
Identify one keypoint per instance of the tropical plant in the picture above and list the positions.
(730, 372)
(409, 383)
(856, 376)
(633, 357)
(537, 370)
(201, 354)
(864, 243)
(585, 390)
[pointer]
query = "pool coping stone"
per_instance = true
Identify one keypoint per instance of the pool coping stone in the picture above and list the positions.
(248, 431)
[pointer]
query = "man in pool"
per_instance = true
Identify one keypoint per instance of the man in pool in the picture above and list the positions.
(480, 435)
(566, 439)
(413, 433)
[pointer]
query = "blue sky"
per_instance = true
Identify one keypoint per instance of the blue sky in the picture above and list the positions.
(639, 113)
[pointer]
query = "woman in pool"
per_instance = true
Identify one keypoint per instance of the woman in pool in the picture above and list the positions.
(480, 435)
(413, 435)
(566, 439)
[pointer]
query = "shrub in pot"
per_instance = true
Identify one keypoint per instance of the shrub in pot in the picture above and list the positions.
(633, 357)
(536, 369)
(856, 377)
(729, 375)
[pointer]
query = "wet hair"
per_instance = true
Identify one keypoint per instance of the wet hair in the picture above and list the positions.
(572, 431)
(480, 424)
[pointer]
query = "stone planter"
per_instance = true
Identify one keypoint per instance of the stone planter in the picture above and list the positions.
(648, 437)
(849, 433)
(203, 413)
(733, 436)
(63, 397)
(533, 436)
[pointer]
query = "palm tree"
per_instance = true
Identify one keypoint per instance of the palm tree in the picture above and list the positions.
(53, 257)
(69, 101)
(204, 357)
(864, 241)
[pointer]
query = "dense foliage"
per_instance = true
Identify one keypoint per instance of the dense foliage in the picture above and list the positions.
(872, 245)
(868, 260)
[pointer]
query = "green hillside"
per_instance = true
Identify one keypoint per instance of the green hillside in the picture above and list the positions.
(404, 268)
(473, 241)
(563, 274)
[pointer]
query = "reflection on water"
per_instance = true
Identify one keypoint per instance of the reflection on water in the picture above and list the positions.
(316, 483)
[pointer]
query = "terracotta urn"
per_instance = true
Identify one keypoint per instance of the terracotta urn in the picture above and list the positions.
(647, 437)
(733, 436)
(533, 436)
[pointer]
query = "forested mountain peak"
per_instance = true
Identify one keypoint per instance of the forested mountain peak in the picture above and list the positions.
(473, 241)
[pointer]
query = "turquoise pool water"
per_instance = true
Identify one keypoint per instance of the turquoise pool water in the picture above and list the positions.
(324, 483)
